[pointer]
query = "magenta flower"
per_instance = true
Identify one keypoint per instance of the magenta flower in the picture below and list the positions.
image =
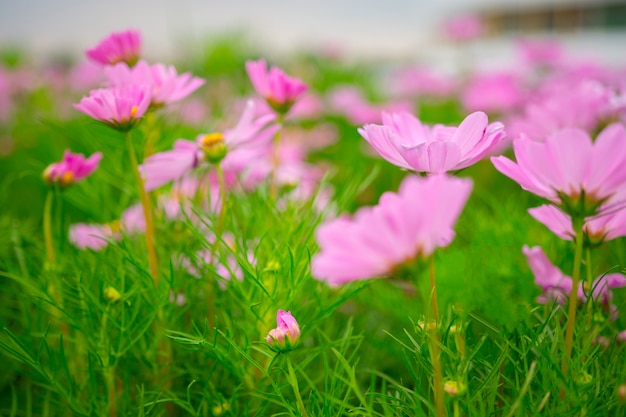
(72, 168)
(602, 227)
(402, 227)
(120, 108)
(404, 141)
(496, 92)
(277, 88)
(286, 335)
(163, 167)
(167, 86)
(570, 170)
(117, 47)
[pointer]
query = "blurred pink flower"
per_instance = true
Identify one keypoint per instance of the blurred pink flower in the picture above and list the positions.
(570, 170)
(277, 88)
(92, 236)
(349, 102)
(463, 28)
(555, 285)
(163, 167)
(497, 92)
(132, 220)
(286, 335)
(402, 227)
(419, 82)
(85, 76)
(597, 229)
(122, 46)
(167, 86)
(541, 52)
(72, 168)
(120, 108)
(404, 141)
(584, 104)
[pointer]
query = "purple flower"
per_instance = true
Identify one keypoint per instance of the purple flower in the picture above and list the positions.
(555, 285)
(570, 170)
(117, 47)
(404, 141)
(402, 227)
(120, 108)
(92, 236)
(277, 88)
(286, 335)
(166, 85)
(72, 168)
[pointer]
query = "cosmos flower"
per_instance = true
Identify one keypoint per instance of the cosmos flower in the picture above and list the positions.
(120, 108)
(122, 46)
(165, 84)
(277, 88)
(71, 169)
(404, 141)
(571, 170)
(402, 227)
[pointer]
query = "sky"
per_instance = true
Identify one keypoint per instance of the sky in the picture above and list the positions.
(379, 28)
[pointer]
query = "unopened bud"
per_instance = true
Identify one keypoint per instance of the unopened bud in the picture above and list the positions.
(111, 294)
(620, 391)
(454, 388)
(286, 335)
(421, 325)
(272, 266)
(213, 146)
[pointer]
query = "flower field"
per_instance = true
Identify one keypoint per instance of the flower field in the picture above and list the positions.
(235, 234)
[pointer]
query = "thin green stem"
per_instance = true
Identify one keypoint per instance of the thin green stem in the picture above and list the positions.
(147, 212)
(577, 223)
(222, 202)
(293, 381)
(435, 349)
(276, 158)
(47, 228)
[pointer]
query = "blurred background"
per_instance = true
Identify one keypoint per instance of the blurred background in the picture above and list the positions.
(364, 28)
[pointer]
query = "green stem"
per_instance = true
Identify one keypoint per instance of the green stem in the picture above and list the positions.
(222, 203)
(577, 224)
(47, 228)
(276, 158)
(109, 369)
(147, 212)
(293, 381)
(435, 349)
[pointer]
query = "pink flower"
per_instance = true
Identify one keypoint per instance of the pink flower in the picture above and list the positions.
(463, 28)
(496, 92)
(542, 52)
(570, 170)
(91, 236)
(403, 226)
(165, 83)
(404, 141)
(163, 167)
(117, 47)
(277, 88)
(286, 335)
(350, 102)
(555, 285)
(120, 108)
(602, 227)
(72, 168)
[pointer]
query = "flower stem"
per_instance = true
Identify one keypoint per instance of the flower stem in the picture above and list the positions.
(47, 228)
(147, 212)
(222, 202)
(435, 349)
(577, 223)
(293, 381)
(276, 158)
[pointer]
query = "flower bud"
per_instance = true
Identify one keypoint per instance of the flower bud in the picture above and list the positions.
(111, 294)
(212, 144)
(286, 335)
(454, 388)
(620, 391)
